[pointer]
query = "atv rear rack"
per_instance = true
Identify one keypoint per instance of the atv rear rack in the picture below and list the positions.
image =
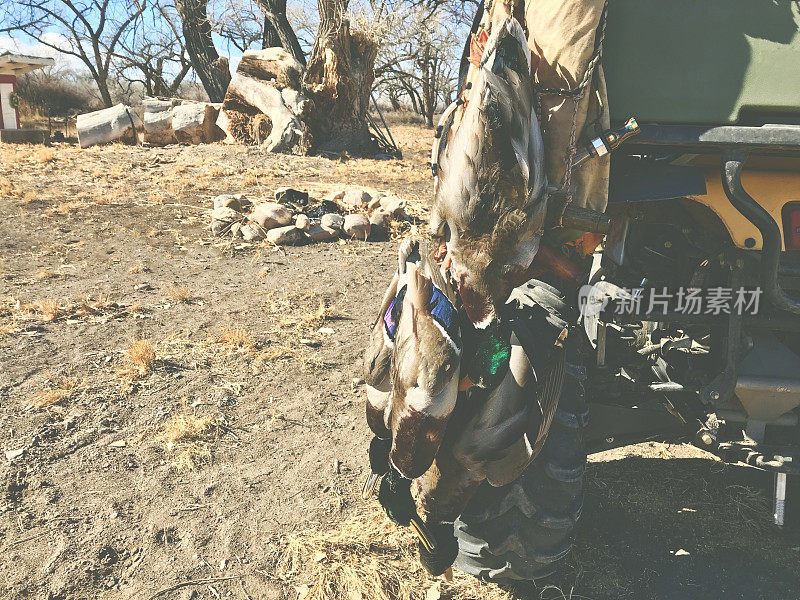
(735, 144)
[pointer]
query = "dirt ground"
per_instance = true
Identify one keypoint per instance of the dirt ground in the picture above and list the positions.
(130, 466)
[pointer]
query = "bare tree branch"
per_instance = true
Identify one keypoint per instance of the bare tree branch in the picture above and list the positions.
(153, 54)
(88, 32)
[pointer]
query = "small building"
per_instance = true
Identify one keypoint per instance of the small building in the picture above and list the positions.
(12, 66)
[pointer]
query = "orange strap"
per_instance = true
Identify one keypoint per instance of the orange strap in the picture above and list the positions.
(477, 45)
(587, 243)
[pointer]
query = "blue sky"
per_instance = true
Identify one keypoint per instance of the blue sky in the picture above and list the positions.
(20, 43)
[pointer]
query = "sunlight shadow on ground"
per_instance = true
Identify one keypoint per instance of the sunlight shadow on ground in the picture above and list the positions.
(667, 527)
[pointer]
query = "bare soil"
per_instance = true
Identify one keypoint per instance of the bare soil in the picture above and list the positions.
(191, 456)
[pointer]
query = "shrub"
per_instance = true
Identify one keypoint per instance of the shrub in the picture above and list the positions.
(47, 93)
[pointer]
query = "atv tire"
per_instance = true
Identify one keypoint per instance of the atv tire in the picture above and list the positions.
(525, 530)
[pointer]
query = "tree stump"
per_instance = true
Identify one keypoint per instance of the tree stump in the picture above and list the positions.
(338, 79)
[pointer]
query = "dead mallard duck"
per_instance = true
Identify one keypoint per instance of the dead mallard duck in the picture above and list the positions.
(490, 197)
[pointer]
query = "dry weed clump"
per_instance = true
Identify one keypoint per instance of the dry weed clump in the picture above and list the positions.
(141, 355)
(44, 155)
(137, 268)
(278, 352)
(303, 311)
(7, 327)
(47, 310)
(234, 339)
(45, 274)
(60, 390)
(367, 557)
(139, 360)
(14, 310)
(273, 353)
(187, 439)
(6, 187)
(10, 309)
(65, 208)
(179, 293)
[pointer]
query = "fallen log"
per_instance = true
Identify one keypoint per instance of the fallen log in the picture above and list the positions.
(176, 121)
(195, 123)
(115, 124)
(264, 104)
(158, 126)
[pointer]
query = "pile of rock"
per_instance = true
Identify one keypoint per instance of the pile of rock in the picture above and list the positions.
(294, 218)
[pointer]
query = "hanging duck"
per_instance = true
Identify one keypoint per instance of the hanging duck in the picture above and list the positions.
(412, 366)
(448, 442)
(490, 194)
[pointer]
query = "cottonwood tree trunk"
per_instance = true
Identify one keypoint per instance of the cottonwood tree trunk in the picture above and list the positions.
(278, 33)
(212, 69)
(102, 87)
(338, 79)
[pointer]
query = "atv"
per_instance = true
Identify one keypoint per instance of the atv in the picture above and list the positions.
(686, 319)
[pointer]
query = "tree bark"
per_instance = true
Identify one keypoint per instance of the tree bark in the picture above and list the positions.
(105, 94)
(212, 69)
(338, 79)
(269, 37)
(278, 33)
(117, 123)
(264, 104)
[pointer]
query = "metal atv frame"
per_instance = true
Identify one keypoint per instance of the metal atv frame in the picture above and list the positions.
(735, 144)
(612, 425)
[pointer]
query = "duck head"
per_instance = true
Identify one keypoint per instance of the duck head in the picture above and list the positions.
(425, 363)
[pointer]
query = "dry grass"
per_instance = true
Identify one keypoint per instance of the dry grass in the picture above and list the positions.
(179, 293)
(45, 274)
(14, 312)
(60, 390)
(141, 355)
(316, 317)
(65, 208)
(47, 310)
(277, 352)
(187, 439)
(304, 311)
(6, 187)
(27, 198)
(139, 360)
(233, 338)
(137, 268)
(44, 155)
(367, 557)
